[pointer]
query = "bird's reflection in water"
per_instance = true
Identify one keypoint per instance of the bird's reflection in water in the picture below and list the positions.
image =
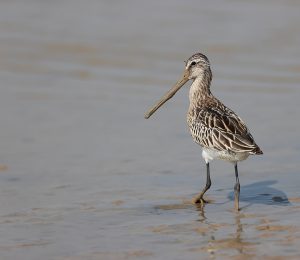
(239, 232)
(222, 240)
(201, 210)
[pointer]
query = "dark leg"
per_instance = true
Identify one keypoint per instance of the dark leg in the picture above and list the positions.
(199, 197)
(237, 188)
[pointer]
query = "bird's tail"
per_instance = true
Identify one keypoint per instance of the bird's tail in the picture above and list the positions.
(257, 151)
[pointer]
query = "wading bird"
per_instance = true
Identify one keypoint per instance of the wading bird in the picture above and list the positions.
(220, 132)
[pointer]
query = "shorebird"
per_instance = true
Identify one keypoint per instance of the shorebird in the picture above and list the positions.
(220, 132)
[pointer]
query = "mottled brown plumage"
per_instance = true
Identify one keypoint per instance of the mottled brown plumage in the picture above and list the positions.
(212, 124)
(220, 132)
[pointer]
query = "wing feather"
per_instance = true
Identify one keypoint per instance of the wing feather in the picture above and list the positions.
(220, 128)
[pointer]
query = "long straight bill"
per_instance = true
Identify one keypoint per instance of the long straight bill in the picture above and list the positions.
(184, 78)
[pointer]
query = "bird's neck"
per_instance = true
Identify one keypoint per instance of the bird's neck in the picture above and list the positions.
(200, 88)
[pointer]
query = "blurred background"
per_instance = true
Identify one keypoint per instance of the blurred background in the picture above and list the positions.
(84, 176)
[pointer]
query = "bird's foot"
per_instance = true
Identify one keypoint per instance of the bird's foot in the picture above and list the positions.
(199, 200)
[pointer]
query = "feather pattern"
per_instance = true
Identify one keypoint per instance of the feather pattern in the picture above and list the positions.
(221, 129)
(213, 125)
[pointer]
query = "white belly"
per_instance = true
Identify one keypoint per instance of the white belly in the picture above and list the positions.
(210, 154)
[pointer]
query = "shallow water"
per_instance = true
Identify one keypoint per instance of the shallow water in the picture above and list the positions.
(84, 176)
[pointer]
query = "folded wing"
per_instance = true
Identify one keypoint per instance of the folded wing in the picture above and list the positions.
(221, 129)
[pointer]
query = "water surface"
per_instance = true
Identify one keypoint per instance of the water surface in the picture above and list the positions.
(84, 176)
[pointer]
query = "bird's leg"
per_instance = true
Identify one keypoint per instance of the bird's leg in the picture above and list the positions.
(199, 197)
(237, 188)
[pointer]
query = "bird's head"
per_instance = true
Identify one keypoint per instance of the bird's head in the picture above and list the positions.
(196, 66)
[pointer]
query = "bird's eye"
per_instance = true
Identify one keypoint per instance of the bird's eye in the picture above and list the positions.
(193, 63)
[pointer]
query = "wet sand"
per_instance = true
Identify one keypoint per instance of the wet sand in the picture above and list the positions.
(84, 176)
